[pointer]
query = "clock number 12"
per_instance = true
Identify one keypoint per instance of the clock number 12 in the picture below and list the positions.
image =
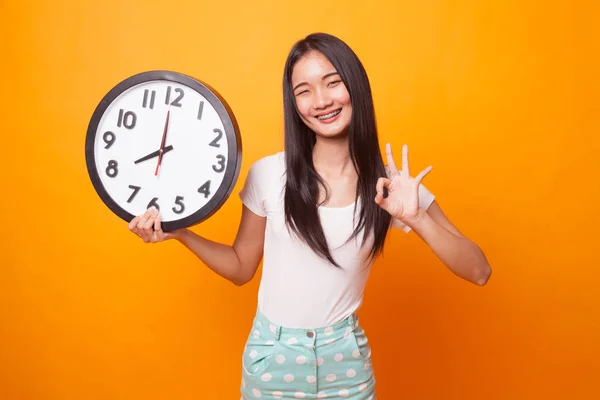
(177, 100)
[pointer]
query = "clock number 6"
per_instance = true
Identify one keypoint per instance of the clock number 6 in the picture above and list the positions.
(153, 203)
(220, 167)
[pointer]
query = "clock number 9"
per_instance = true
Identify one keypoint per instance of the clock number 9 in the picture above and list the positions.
(112, 169)
(220, 167)
(109, 139)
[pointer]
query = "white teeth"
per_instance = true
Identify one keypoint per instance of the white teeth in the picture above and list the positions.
(332, 114)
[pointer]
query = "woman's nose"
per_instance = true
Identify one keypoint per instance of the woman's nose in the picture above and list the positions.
(321, 99)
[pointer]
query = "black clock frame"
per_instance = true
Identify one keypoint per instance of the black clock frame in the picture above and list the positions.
(232, 133)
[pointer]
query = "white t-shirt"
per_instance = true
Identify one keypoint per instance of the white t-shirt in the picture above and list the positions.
(299, 289)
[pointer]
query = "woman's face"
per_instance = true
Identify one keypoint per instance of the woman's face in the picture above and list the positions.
(322, 99)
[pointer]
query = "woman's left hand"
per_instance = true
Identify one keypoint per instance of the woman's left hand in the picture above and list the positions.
(402, 201)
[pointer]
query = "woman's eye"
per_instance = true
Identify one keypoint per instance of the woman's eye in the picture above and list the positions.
(299, 93)
(333, 83)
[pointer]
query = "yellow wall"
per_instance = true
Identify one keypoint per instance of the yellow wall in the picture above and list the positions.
(501, 97)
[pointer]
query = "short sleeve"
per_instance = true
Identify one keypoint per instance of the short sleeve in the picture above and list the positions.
(425, 200)
(253, 192)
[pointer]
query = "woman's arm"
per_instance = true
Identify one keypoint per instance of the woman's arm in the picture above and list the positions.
(462, 256)
(237, 263)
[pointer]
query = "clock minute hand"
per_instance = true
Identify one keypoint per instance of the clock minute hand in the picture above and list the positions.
(153, 154)
(162, 144)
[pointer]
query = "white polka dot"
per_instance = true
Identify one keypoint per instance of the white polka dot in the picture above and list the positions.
(321, 395)
(266, 377)
(351, 373)
(367, 365)
(356, 353)
(258, 323)
(347, 333)
(272, 328)
(320, 361)
(288, 378)
(280, 359)
(331, 378)
(369, 354)
(300, 395)
(370, 398)
(253, 354)
(338, 357)
(256, 393)
(300, 360)
(292, 341)
(362, 387)
(329, 341)
(270, 342)
(311, 379)
(256, 334)
(344, 393)
(328, 330)
(277, 395)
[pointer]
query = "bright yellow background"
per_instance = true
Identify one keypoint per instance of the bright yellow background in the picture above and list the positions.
(502, 97)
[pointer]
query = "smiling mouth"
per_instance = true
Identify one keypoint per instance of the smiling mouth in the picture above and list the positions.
(330, 115)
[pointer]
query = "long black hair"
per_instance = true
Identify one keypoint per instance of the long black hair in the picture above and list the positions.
(302, 180)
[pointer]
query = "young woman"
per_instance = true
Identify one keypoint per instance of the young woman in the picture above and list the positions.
(319, 212)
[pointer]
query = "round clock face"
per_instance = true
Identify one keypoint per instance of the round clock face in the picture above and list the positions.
(163, 139)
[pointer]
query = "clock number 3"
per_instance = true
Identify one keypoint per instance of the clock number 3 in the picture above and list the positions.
(220, 167)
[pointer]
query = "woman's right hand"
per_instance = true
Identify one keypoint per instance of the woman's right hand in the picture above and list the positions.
(147, 226)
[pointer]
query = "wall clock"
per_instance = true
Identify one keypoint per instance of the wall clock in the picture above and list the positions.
(163, 139)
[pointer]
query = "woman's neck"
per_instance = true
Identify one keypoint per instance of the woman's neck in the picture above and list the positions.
(331, 157)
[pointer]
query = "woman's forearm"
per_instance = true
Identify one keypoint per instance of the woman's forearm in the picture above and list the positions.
(220, 258)
(458, 253)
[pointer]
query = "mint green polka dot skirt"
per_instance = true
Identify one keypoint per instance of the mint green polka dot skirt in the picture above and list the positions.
(326, 363)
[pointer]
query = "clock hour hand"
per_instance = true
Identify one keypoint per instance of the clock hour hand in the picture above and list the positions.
(153, 154)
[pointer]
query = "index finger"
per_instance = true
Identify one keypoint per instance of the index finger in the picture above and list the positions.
(133, 223)
(390, 159)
